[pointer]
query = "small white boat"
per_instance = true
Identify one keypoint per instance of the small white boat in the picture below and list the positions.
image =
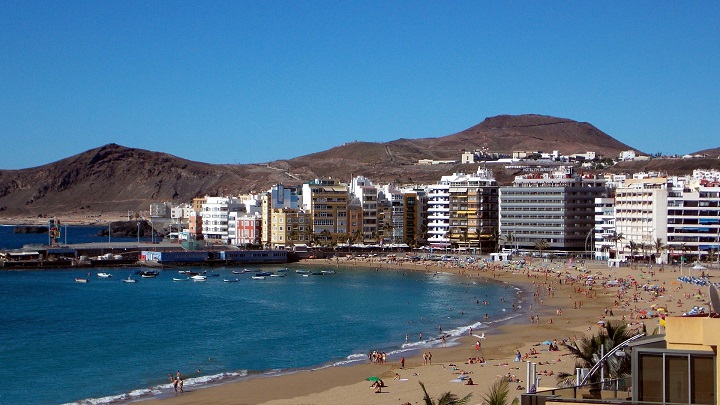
(199, 277)
(258, 277)
(278, 275)
(181, 279)
(129, 280)
(236, 272)
(302, 271)
(230, 280)
(104, 275)
(81, 280)
(328, 272)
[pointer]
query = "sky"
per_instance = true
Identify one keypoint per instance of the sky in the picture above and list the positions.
(257, 81)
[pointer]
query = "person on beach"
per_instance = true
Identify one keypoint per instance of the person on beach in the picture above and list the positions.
(402, 362)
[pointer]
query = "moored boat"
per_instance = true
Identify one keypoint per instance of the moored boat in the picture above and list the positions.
(230, 280)
(181, 279)
(81, 280)
(199, 277)
(264, 273)
(328, 271)
(258, 277)
(129, 280)
(278, 275)
(104, 275)
(302, 271)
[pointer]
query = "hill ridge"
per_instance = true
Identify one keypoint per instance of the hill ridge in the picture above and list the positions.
(115, 178)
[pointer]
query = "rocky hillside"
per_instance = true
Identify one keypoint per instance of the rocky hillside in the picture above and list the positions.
(113, 178)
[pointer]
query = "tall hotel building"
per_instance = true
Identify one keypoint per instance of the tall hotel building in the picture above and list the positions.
(327, 202)
(693, 218)
(641, 207)
(558, 207)
(463, 210)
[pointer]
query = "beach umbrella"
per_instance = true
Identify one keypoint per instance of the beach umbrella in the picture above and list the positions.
(373, 378)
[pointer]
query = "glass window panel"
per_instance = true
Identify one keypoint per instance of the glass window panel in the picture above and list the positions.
(676, 378)
(702, 371)
(650, 378)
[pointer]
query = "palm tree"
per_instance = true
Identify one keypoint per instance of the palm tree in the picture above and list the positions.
(659, 247)
(507, 238)
(388, 230)
(447, 398)
(357, 235)
(617, 238)
(633, 246)
(585, 353)
(499, 393)
(541, 244)
(325, 237)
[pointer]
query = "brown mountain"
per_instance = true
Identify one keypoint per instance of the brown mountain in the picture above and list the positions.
(116, 178)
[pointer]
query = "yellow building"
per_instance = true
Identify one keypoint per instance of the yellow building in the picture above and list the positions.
(289, 227)
(327, 202)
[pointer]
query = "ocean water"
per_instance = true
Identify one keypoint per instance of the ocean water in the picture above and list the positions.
(109, 341)
(69, 235)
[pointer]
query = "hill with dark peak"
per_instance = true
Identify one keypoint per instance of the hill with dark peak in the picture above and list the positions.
(114, 178)
(711, 153)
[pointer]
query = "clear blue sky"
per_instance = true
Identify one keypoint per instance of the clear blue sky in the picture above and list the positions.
(256, 81)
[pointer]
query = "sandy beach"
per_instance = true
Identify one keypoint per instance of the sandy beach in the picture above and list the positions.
(566, 310)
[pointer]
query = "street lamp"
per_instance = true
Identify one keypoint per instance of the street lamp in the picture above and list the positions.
(591, 232)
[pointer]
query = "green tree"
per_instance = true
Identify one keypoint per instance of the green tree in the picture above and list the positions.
(634, 247)
(357, 235)
(499, 393)
(617, 238)
(388, 231)
(447, 398)
(541, 244)
(589, 348)
(506, 238)
(325, 237)
(659, 247)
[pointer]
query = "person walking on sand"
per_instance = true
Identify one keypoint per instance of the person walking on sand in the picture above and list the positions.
(402, 362)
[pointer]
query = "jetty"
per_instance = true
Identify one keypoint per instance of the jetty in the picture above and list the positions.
(158, 254)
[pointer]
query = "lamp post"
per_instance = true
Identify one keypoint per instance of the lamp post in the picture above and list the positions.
(591, 232)
(109, 230)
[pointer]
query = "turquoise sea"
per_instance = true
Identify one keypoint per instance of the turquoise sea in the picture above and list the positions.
(113, 342)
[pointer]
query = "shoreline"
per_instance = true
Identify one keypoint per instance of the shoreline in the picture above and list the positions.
(345, 384)
(353, 367)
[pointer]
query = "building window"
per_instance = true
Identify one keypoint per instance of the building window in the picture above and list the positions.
(676, 377)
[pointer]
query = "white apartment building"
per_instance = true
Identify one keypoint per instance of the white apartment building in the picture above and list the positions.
(604, 233)
(366, 194)
(216, 215)
(438, 210)
(693, 218)
(641, 215)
